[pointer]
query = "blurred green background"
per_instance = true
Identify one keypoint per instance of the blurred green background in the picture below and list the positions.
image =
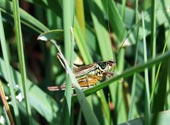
(134, 33)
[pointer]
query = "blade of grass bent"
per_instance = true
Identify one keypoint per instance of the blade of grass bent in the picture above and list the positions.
(87, 111)
(129, 72)
(57, 34)
(88, 114)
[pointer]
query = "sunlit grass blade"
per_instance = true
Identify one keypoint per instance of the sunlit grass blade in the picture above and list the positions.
(68, 14)
(81, 43)
(115, 20)
(101, 31)
(80, 14)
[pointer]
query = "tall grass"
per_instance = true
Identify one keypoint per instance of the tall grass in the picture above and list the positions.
(135, 35)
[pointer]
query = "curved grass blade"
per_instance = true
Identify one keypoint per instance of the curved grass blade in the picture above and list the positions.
(52, 34)
(27, 19)
(5, 103)
(88, 114)
(163, 119)
(39, 100)
(129, 72)
(87, 111)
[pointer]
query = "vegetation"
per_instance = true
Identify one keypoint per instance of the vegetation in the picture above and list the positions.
(135, 34)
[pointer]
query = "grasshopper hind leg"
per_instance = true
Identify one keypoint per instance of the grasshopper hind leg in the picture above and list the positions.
(88, 81)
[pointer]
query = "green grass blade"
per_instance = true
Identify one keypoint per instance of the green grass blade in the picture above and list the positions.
(81, 43)
(132, 101)
(21, 57)
(52, 34)
(80, 15)
(123, 9)
(120, 96)
(116, 90)
(100, 28)
(39, 100)
(160, 93)
(163, 119)
(104, 42)
(54, 5)
(147, 94)
(160, 89)
(26, 18)
(87, 111)
(158, 70)
(8, 74)
(115, 20)
(153, 37)
(68, 14)
(129, 72)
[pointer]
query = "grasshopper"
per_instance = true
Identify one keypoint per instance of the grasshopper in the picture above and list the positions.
(88, 75)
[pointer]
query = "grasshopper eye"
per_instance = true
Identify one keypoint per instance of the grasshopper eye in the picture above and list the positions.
(102, 65)
(111, 63)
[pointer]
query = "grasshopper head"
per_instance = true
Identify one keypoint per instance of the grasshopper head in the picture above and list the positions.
(106, 67)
